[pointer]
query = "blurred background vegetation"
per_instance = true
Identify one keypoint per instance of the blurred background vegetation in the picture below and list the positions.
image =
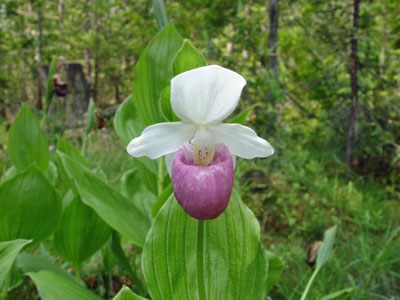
(305, 105)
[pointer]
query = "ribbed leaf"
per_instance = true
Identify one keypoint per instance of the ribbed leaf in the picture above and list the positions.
(153, 73)
(326, 248)
(30, 207)
(29, 263)
(52, 286)
(80, 232)
(227, 263)
(27, 143)
(120, 213)
(160, 13)
(126, 123)
(187, 58)
(126, 294)
(8, 252)
(241, 117)
(133, 189)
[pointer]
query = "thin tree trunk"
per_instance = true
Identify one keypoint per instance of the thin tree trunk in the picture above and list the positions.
(273, 36)
(352, 130)
(61, 21)
(39, 104)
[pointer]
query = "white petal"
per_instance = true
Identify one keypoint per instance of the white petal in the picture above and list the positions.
(169, 158)
(160, 139)
(206, 94)
(241, 140)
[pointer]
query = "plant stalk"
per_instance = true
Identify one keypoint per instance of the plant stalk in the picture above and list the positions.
(78, 273)
(200, 261)
(5, 286)
(310, 281)
(160, 176)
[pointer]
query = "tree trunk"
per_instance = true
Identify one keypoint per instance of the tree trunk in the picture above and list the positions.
(39, 104)
(352, 130)
(273, 36)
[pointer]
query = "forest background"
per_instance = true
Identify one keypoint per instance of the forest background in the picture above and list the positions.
(324, 80)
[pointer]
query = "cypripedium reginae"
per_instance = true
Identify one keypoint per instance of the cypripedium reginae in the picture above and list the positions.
(200, 150)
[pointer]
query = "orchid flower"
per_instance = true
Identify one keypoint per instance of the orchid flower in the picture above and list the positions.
(200, 150)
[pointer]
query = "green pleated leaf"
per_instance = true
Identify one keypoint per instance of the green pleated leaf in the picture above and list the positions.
(187, 58)
(90, 116)
(325, 249)
(30, 207)
(29, 263)
(161, 200)
(52, 286)
(153, 73)
(27, 143)
(128, 126)
(51, 173)
(339, 295)
(126, 294)
(275, 267)
(10, 173)
(120, 213)
(133, 189)
(219, 259)
(80, 232)
(71, 151)
(160, 13)
(126, 123)
(8, 252)
(165, 106)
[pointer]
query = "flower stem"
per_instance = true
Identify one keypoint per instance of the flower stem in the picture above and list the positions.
(310, 281)
(200, 261)
(78, 273)
(160, 176)
(5, 286)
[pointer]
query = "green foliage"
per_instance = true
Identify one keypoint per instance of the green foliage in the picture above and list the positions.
(27, 143)
(8, 252)
(126, 123)
(119, 212)
(160, 13)
(187, 58)
(49, 92)
(326, 248)
(52, 286)
(225, 253)
(30, 263)
(126, 294)
(80, 232)
(90, 116)
(153, 73)
(339, 295)
(19, 218)
(275, 268)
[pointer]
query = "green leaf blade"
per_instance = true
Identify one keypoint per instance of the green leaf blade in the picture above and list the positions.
(30, 206)
(153, 73)
(234, 262)
(27, 143)
(52, 286)
(126, 294)
(8, 253)
(80, 232)
(119, 212)
(325, 249)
